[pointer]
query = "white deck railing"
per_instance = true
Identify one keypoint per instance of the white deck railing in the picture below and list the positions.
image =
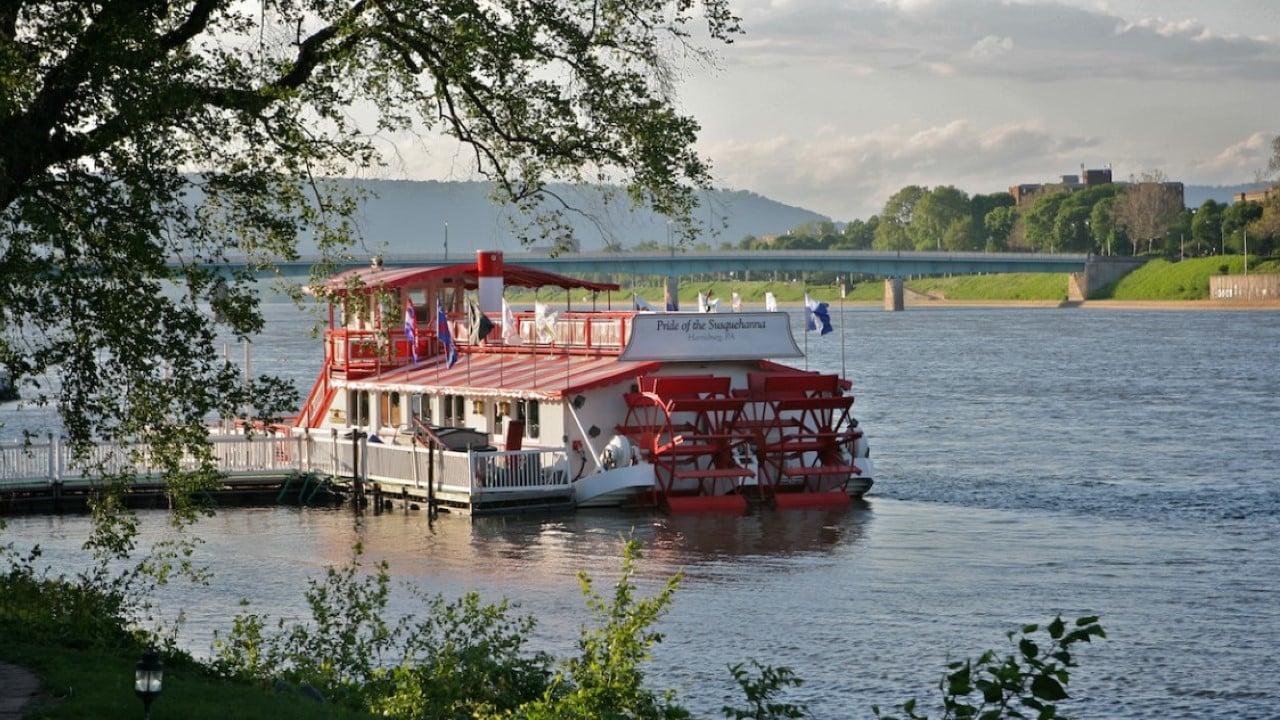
(473, 472)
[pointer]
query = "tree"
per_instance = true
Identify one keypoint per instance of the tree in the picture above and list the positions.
(1206, 226)
(1071, 228)
(1147, 207)
(1103, 227)
(999, 224)
(1039, 219)
(1273, 165)
(147, 142)
(858, 234)
(981, 205)
(891, 233)
(935, 214)
(1235, 223)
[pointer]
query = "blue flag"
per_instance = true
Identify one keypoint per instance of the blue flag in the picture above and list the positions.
(446, 338)
(816, 315)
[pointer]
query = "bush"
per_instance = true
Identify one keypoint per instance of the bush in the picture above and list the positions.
(1027, 682)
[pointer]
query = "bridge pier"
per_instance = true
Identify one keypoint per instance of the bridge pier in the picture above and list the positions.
(1098, 273)
(893, 294)
(672, 292)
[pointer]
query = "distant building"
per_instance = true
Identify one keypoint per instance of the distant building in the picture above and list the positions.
(1258, 196)
(1027, 192)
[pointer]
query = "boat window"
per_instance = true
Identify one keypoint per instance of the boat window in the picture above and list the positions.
(391, 409)
(454, 411)
(420, 408)
(358, 402)
(527, 410)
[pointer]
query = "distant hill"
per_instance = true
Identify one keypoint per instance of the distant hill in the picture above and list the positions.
(1195, 195)
(403, 216)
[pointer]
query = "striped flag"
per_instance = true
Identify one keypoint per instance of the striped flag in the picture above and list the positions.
(411, 329)
(446, 338)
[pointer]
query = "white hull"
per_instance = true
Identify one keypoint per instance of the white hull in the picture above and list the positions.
(611, 488)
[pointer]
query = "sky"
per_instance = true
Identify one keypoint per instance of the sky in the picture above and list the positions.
(834, 105)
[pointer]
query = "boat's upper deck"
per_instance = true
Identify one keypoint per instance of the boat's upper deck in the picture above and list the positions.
(381, 319)
(359, 352)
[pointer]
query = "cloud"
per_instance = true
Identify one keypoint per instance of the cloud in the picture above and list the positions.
(1240, 160)
(990, 48)
(1053, 40)
(850, 176)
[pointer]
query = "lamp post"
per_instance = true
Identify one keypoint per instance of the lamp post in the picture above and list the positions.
(148, 680)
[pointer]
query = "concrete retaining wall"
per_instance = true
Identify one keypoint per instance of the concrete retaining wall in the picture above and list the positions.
(1100, 272)
(1244, 288)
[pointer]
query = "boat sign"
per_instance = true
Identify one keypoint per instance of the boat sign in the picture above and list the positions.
(711, 336)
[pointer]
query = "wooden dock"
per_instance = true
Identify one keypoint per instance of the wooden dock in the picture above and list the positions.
(298, 469)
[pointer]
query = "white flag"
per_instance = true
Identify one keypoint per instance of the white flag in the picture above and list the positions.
(510, 331)
(544, 323)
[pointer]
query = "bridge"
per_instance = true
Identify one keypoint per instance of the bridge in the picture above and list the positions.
(1087, 272)
(676, 263)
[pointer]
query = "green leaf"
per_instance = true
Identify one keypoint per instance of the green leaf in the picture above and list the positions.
(1028, 648)
(1047, 688)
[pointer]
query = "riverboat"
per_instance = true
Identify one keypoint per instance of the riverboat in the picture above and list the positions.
(434, 388)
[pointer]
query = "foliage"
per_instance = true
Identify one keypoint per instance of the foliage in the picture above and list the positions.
(1106, 235)
(450, 660)
(935, 215)
(459, 660)
(1028, 682)
(605, 680)
(146, 144)
(858, 234)
(761, 691)
(899, 209)
(1147, 207)
(999, 225)
(465, 659)
(1040, 218)
(107, 606)
(79, 683)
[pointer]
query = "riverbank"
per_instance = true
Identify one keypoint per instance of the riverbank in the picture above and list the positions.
(1217, 305)
(915, 300)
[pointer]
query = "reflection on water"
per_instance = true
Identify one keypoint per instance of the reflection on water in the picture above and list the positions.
(1032, 463)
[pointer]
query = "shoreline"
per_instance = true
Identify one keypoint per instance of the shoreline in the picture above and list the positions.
(1254, 305)
(917, 300)
(922, 302)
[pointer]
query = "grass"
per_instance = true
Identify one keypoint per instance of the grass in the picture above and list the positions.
(1184, 280)
(1011, 287)
(96, 683)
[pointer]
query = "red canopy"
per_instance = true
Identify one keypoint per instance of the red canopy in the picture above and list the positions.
(519, 375)
(465, 275)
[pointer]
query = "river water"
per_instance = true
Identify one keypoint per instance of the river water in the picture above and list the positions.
(1031, 462)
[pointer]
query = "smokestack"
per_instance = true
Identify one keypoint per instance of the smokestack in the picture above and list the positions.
(490, 271)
